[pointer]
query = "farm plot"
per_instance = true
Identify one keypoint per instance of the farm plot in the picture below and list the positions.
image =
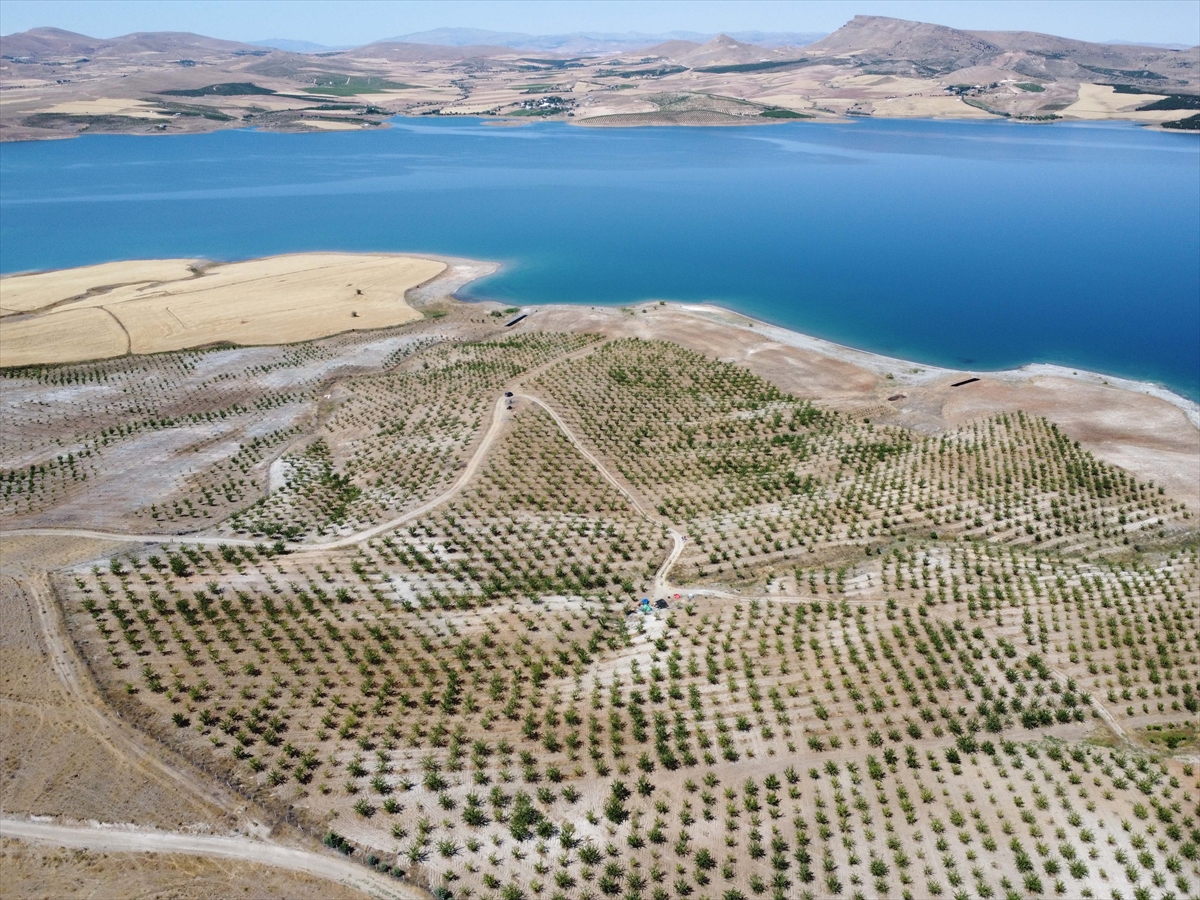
(396, 439)
(267, 301)
(490, 738)
(78, 439)
(763, 481)
(987, 634)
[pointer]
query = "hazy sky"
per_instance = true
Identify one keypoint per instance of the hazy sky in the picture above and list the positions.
(361, 21)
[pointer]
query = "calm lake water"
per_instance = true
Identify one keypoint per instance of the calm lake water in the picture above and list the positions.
(968, 244)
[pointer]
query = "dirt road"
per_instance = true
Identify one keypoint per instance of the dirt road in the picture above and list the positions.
(202, 540)
(114, 840)
(468, 473)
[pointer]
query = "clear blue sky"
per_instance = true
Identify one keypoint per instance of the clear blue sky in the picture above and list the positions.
(361, 21)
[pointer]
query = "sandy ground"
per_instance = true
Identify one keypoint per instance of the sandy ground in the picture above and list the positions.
(37, 870)
(276, 300)
(327, 125)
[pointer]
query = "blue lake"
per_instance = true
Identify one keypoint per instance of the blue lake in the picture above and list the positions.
(975, 245)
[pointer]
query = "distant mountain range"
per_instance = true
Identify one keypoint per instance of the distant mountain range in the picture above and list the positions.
(575, 42)
(900, 47)
(55, 42)
(292, 46)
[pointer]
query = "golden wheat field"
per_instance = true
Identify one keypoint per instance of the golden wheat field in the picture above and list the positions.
(98, 312)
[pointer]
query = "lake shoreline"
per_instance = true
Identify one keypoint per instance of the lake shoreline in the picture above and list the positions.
(455, 281)
(841, 232)
(880, 363)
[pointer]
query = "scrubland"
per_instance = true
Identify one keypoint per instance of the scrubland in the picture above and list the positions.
(892, 662)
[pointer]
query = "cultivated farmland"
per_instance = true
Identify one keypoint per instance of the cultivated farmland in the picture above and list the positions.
(406, 618)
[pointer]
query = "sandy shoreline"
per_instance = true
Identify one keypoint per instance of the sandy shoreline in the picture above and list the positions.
(902, 370)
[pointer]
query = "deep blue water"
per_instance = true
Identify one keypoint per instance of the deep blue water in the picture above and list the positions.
(975, 245)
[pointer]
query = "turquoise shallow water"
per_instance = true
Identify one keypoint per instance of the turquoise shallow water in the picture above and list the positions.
(976, 245)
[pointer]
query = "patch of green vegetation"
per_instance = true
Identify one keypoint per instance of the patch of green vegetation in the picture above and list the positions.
(347, 107)
(1142, 74)
(979, 104)
(203, 112)
(1132, 89)
(658, 72)
(349, 85)
(542, 88)
(763, 66)
(1172, 735)
(1031, 87)
(554, 63)
(1191, 123)
(225, 89)
(778, 112)
(347, 90)
(539, 113)
(1173, 101)
(50, 120)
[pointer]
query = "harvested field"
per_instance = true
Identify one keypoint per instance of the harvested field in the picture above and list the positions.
(68, 335)
(27, 293)
(277, 300)
(1101, 101)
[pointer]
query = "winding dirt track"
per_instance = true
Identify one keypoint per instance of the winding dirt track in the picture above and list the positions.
(120, 537)
(71, 670)
(113, 840)
(589, 456)
(661, 585)
(468, 473)
(357, 538)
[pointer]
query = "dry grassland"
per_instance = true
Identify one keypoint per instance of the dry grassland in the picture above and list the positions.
(269, 301)
(54, 761)
(927, 108)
